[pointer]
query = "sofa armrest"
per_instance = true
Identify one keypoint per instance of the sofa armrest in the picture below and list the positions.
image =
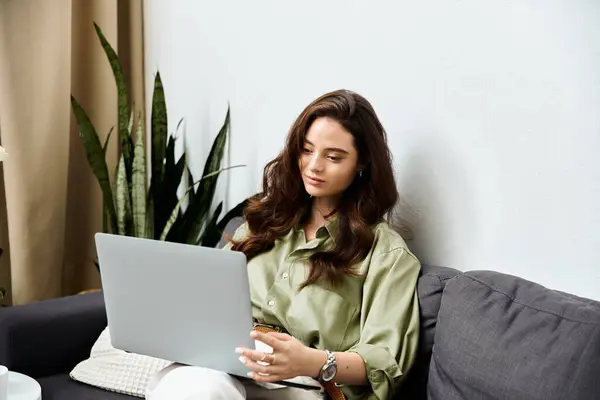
(51, 336)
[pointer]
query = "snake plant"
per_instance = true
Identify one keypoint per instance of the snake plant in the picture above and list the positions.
(144, 202)
(3, 156)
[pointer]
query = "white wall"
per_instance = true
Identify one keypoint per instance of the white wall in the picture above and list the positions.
(492, 110)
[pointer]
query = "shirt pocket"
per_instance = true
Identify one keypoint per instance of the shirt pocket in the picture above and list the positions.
(320, 317)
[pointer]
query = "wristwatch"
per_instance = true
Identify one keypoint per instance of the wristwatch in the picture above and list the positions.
(329, 369)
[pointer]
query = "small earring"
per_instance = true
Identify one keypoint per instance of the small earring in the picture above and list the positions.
(360, 174)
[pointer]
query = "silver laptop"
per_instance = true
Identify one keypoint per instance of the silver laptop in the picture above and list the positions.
(182, 303)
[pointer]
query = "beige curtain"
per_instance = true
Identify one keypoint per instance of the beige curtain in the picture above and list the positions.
(50, 202)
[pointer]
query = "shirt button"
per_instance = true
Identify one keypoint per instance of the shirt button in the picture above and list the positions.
(285, 275)
(271, 303)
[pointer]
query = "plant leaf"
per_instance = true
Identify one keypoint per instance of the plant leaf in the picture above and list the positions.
(175, 213)
(183, 224)
(130, 177)
(235, 212)
(104, 211)
(196, 215)
(176, 209)
(211, 224)
(190, 177)
(105, 146)
(169, 154)
(167, 198)
(174, 178)
(123, 101)
(177, 128)
(191, 193)
(159, 144)
(122, 198)
(130, 124)
(138, 190)
(174, 175)
(95, 156)
(211, 237)
(150, 217)
(104, 218)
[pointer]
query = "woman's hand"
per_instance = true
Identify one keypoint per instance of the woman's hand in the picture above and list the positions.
(290, 358)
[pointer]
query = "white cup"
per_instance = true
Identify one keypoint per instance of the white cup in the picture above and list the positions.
(3, 382)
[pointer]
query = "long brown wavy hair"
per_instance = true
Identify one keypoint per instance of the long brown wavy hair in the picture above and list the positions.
(284, 202)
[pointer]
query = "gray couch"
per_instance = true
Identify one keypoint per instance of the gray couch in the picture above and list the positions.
(484, 335)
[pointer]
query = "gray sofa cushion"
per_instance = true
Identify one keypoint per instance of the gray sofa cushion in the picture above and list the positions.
(502, 337)
(430, 286)
(52, 336)
(61, 387)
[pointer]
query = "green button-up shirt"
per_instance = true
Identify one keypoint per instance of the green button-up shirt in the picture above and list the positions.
(375, 315)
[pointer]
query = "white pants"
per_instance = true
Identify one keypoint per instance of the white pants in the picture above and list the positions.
(183, 382)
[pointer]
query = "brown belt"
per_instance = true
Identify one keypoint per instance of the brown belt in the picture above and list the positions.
(332, 390)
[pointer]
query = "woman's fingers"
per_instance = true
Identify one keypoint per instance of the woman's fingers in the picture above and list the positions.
(284, 337)
(268, 339)
(262, 369)
(254, 355)
(266, 378)
(281, 336)
(267, 367)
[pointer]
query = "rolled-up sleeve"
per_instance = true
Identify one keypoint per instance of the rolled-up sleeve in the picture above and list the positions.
(389, 323)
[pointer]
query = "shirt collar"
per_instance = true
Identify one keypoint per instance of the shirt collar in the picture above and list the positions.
(331, 227)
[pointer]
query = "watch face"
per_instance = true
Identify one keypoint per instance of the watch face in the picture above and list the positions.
(329, 373)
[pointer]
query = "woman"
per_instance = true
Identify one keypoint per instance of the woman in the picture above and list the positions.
(323, 265)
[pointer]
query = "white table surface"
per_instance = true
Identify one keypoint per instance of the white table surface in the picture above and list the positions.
(22, 387)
